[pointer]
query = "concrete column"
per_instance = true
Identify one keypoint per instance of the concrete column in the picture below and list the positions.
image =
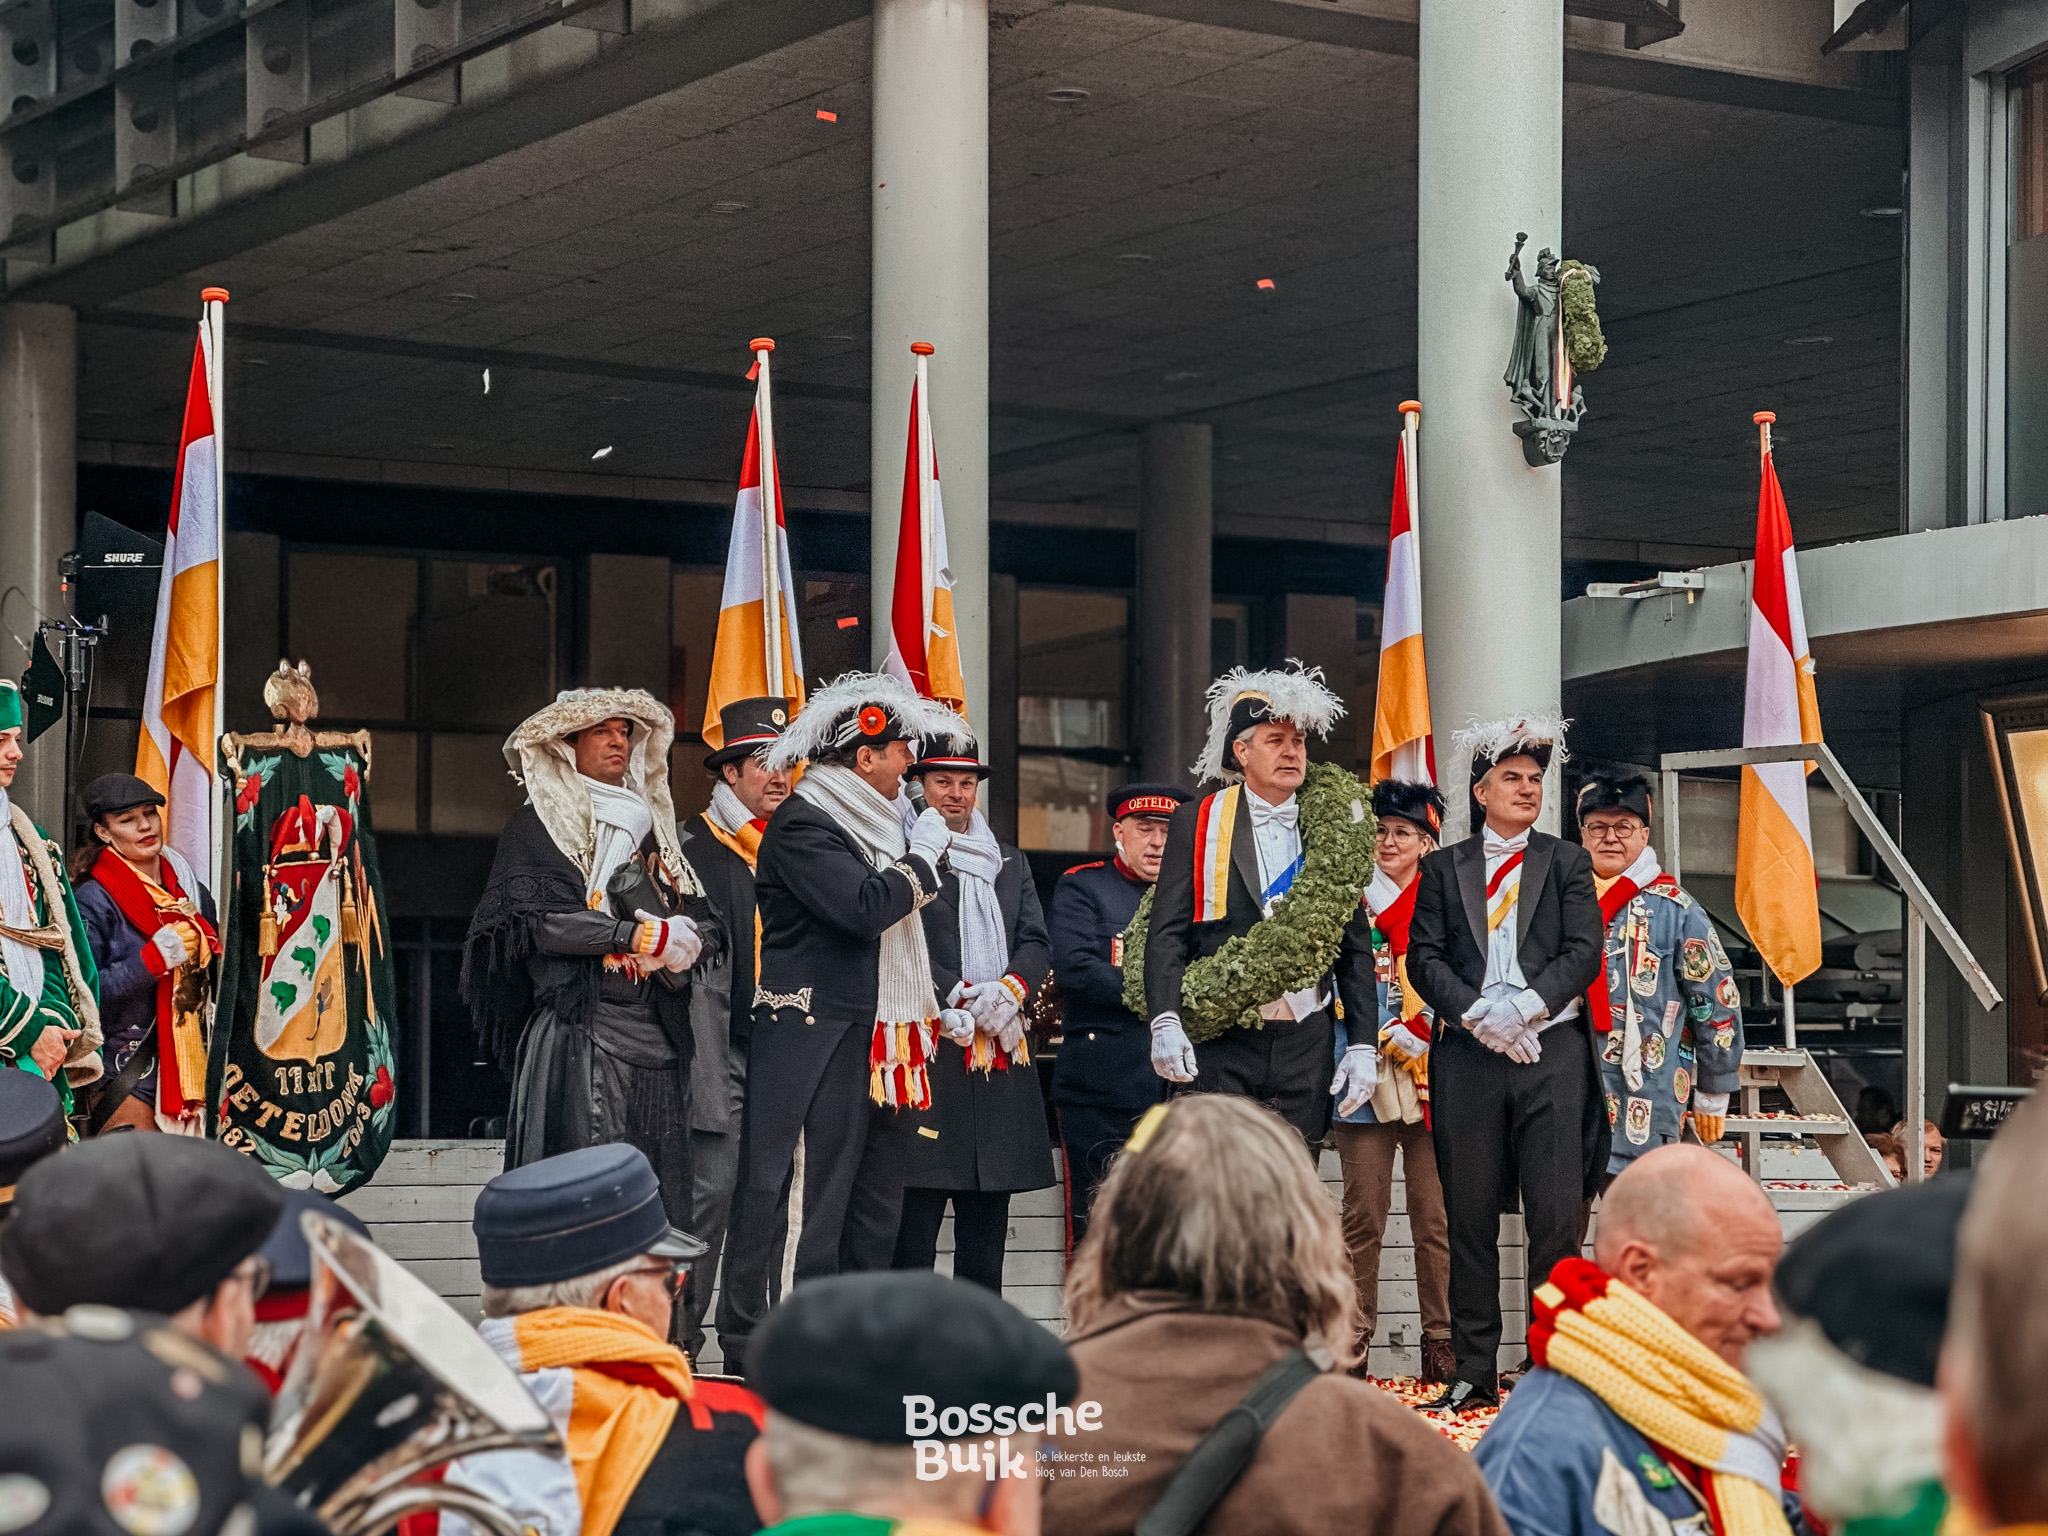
(1322, 631)
(930, 283)
(38, 510)
(1489, 161)
(1176, 527)
(999, 740)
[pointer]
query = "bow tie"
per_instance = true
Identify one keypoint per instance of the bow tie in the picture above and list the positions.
(1283, 814)
(1498, 847)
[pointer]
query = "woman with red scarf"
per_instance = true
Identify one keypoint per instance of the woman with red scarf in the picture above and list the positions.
(152, 929)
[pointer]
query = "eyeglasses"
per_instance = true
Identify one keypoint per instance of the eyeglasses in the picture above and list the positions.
(1607, 831)
(673, 1272)
(256, 1271)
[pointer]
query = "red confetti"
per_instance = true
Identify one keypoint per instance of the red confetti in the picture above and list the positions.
(1265, 282)
(828, 117)
(849, 623)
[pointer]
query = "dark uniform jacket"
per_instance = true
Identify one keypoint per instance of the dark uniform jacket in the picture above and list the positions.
(1174, 938)
(722, 1004)
(824, 909)
(1559, 935)
(1106, 1055)
(984, 1131)
(127, 984)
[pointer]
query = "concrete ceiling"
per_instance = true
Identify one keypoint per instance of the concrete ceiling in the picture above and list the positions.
(608, 281)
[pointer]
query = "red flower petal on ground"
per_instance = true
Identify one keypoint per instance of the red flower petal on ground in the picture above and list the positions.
(381, 1091)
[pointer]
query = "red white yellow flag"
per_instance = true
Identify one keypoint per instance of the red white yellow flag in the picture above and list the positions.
(924, 648)
(1402, 744)
(175, 754)
(757, 613)
(1776, 893)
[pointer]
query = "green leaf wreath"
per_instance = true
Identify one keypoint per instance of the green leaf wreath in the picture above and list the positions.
(1584, 341)
(1294, 947)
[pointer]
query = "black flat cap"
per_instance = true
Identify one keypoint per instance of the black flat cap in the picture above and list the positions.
(136, 1428)
(112, 792)
(31, 1126)
(573, 1215)
(146, 1221)
(291, 1261)
(842, 1354)
(1876, 1276)
(1156, 800)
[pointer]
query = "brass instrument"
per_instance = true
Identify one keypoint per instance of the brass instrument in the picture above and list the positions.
(388, 1382)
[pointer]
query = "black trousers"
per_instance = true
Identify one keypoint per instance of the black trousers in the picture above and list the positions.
(1090, 1135)
(1286, 1066)
(981, 1229)
(842, 1218)
(1499, 1123)
(714, 1172)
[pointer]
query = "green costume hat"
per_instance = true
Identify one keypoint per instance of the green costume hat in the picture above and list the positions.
(10, 706)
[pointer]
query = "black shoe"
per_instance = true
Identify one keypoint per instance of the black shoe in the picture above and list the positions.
(1514, 1377)
(1462, 1396)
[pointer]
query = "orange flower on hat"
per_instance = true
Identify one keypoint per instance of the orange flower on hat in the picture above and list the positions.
(873, 720)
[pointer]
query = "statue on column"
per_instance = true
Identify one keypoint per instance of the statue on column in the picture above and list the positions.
(1557, 335)
(301, 1076)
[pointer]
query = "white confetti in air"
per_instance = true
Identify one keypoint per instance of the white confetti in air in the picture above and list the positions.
(603, 453)
(487, 381)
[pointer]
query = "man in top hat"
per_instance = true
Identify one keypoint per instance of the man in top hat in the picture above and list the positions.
(49, 987)
(723, 844)
(577, 961)
(1230, 859)
(847, 1366)
(1102, 1077)
(1504, 941)
(845, 1016)
(580, 1268)
(984, 1137)
(1665, 1013)
(31, 1128)
(1409, 818)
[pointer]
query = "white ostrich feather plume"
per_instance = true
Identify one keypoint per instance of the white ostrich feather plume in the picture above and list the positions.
(925, 719)
(1293, 693)
(1490, 739)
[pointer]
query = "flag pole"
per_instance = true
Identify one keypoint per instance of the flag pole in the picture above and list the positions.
(923, 350)
(1763, 420)
(1411, 431)
(1790, 1015)
(214, 315)
(771, 513)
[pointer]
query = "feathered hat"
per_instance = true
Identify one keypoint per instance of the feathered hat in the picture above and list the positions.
(1613, 792)
(1483, 743)
(864, 709)
(543, 759)
(1422, 804)
(1240, 699)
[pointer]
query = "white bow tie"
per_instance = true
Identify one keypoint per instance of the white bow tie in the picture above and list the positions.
(1498, 847)
(1263, 814)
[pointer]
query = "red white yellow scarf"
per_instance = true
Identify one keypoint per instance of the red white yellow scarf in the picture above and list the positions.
(180, 1039)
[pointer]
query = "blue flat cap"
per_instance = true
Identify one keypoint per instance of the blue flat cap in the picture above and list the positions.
(291, 1261)
(573, 1215)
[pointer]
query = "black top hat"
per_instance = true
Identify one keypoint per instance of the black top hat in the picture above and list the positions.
(1156, 801)
(112, 792)
(1609, 792)
(749, 725)
(1422, 804)
(940, 753)
(572, 1215)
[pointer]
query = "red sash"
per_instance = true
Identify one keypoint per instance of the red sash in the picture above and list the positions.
(1393, 923)
(120, 881)
(1619, 895)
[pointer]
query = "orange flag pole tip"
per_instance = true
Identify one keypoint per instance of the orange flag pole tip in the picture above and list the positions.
(1762, 418)
(1410, 407)
(213, 295)
(761, 344)
(923, 348)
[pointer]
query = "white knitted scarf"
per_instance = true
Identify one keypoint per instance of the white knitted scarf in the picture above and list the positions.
(727, 809)
(622, 821)
(906, 1007)
(977, 858)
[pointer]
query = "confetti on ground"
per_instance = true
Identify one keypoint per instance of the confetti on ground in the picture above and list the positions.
(1462, 1431)
(1265, 282)
(603, 453)
(828, 117)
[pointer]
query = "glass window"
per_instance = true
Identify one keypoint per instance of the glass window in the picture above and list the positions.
(2026, 299)
(1071, 660)
(395, 782)
(351, 617)
(473, 791)
(488, 638)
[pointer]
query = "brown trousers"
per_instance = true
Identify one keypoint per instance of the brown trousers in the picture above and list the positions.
(1367, 1155)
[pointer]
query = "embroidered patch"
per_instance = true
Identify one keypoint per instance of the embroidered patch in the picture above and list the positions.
(149, 1491)
(1670, 1018)
(1678, 895)
(1116, 950)
(1653, 1053)
(1644, 982)
(800, 999)
(1726, 994)
(1724, 1037)
(1681, 1085)
(1638, 1127)
(1694, 963)
(1715, 951)
(1611, 1051)
(1613, 1108)
(1655, 1473)
(1685, 1050)
(1700, 1006)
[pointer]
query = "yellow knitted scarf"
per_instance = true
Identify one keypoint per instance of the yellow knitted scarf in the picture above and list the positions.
(1664, 1383)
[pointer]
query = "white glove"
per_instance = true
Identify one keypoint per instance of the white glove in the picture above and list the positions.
(1358, 1073)
(1405, 1043)
(170, 944)
(957, 1025)
(1173, 1054)
(1715, 1104)
(667, 943)
(1529, 1006)
(1010, 1031)
(1495, 1024)
(928, 839)
(981, 999)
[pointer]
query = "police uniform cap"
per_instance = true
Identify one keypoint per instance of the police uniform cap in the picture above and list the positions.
(137, 1430)
(114, 792)
(1876, 1276)
(1154, 800)
(572, 1215)
(291, 1261)
(841, 1354)
(31, 1126)
(144, 1221)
